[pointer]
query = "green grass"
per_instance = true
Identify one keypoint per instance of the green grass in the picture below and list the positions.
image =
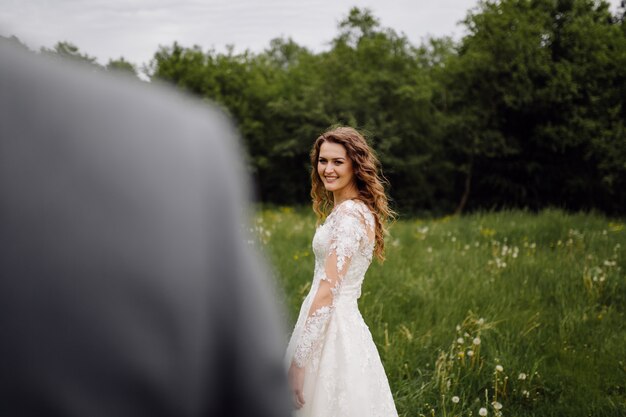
(545, 294)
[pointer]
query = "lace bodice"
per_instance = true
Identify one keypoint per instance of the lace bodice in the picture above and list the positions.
(343, 248)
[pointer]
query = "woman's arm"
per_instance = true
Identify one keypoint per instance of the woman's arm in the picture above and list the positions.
(347, 233)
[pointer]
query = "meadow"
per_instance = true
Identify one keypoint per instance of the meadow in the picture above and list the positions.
(503, 313)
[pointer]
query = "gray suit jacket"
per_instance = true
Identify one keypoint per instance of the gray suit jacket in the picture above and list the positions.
(127, 286)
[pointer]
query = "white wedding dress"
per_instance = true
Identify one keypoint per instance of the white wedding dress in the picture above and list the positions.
(344, 376)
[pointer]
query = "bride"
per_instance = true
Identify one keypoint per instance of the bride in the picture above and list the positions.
(334, 367)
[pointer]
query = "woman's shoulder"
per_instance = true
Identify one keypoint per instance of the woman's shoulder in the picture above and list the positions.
(357, 209)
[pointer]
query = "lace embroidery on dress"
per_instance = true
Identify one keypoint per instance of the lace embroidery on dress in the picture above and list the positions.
(348, 234)
(312, 332)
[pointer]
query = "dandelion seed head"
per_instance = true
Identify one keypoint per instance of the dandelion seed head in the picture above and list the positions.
(499, 368)
(470, 353)
(496, 405)
(482, 412)
(522, 376)
(456, 399)
(476, 341)
(460, 340)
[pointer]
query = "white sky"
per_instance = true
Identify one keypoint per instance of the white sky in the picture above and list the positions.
(135, 28)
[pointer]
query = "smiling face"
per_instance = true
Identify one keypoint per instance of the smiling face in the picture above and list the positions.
(335, 168)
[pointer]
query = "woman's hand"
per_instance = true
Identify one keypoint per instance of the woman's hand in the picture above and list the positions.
(296, 383)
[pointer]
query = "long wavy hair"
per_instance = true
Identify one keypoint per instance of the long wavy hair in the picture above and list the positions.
(369, 179)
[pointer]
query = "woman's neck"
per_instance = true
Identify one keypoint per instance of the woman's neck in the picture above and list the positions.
(348, 193)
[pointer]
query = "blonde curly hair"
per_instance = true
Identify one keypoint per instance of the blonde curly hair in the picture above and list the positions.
(369, 179)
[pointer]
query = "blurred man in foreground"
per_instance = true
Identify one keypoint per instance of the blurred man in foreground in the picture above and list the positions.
(126, 284)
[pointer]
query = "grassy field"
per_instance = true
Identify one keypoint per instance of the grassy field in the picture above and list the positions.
(517, 313)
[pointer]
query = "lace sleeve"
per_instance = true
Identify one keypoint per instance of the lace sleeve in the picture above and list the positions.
(347, 233)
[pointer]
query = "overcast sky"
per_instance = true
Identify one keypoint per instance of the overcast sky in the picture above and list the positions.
(135, 28)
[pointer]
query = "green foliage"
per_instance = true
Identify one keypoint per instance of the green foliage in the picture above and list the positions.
(286, 96)
(539, 87)
(122, 66)
(543, 296)
(527, 110)
(71, 52)
(67, 50)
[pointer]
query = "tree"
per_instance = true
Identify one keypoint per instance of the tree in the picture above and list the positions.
(121, 65)
(67, 50)
(535, 83)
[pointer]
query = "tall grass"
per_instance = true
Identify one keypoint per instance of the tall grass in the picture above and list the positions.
(509, 313)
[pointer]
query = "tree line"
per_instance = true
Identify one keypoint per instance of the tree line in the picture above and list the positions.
(527, 109)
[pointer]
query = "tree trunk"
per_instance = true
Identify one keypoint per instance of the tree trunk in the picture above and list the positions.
(467, 188)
